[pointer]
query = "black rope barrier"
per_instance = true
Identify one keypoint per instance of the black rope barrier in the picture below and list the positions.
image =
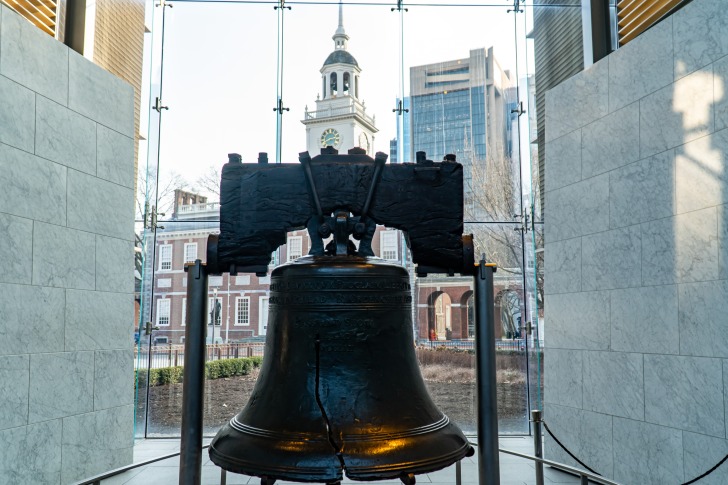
(708, 472)
(546, 426)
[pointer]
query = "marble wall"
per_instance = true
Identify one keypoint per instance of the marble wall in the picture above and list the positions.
(66, 261)
(636, 378)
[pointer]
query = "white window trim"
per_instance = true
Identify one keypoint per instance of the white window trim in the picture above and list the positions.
(262, 315)
(289, 246)
(238, 300)
(184, 312)
(386, 235)
(160, 305)
(187, 246)
(163, 260)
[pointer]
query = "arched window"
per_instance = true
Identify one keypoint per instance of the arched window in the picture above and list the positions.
(346, 82)
(356, 87)
(333, 84)
(323, 81)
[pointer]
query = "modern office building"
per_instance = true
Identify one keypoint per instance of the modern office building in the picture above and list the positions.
(459, 106)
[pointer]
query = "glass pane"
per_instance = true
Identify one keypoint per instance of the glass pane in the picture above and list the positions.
(462, 97)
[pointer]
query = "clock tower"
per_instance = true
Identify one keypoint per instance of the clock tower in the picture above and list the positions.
(340, 119)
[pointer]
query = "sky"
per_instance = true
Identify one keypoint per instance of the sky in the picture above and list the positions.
(220, 62)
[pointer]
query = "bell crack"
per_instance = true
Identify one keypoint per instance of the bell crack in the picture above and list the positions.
(329, 432)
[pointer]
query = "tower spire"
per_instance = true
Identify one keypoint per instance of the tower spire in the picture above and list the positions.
(340, 36)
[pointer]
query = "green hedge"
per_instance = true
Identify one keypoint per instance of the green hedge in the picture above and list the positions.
(217, 369)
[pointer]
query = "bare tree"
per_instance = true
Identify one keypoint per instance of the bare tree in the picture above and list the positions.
(210, 181)
(492, 195)
(157, 190)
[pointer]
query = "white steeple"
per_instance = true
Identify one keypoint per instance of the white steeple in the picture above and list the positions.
(340, 36)
(340, 119)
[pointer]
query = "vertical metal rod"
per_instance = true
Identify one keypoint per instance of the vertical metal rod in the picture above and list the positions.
(223, 476)
(537, 443)
(193, 388)
(488, 466)
(584, 480)
(458, 473)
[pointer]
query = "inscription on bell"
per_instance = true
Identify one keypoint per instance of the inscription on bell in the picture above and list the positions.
(340, 284)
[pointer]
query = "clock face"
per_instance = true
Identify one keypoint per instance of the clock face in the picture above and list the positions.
(364, 142)
(330, 137)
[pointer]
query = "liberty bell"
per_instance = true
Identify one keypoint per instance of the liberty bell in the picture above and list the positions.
(339, 391)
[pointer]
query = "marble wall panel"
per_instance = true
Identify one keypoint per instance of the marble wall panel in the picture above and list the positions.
(97, 442)
(685, 393)
(99, 95)
(699, 38)
(702, 319)
(33, 58)
(30, 178)
(64, 136)
(641, 191)
(720, 93)
(16, 244)
(97, 320)
(563, 377)
(677, 114)
(578, 321)
(700, 173)
(63, 257)
(115, 161)
(572, 427)
(646, 453)
(31, 454)
(680, 249)
(722, 241)
(114, 265)
(17, 118)
(564, 161)
(613, 384)
(611, 259)
(641, 67)
(101, 207)
(563, 264)
(611, 142)
(578, 209)
(14, 375)
(31, 319)
(61, 385)
(701, 454)
(578, 101)
(110, 368)
(645, 320)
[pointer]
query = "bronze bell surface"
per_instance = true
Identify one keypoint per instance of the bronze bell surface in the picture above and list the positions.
(339, 390)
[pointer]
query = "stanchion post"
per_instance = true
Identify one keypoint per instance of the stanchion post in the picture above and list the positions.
(458, 473)
(537, 443)
(488, 466)
(193, 388)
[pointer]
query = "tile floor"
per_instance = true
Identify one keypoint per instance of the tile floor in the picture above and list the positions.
(513, 470)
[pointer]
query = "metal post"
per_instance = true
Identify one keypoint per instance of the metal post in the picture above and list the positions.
(584, 480)
(537, 443)
(458, 473)
(193, 390)
(488, 466)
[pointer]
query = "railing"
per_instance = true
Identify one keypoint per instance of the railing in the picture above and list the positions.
(193, 208)
(163, 355)
(341, 111)
(516, 344)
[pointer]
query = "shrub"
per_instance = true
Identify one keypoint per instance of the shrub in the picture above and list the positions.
(217, 369)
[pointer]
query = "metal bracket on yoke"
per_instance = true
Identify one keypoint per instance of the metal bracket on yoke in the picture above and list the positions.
(343, 224)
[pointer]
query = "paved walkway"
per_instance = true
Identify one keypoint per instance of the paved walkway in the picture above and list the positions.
(514, 470)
